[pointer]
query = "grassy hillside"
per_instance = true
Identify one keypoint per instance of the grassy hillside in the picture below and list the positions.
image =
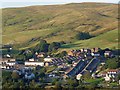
(105, 40)
(27, 25)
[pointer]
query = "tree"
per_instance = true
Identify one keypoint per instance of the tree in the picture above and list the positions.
(62, 42)
(112, 63)
(54, 81)
(72, 82)
(15, 75)
(38, 67)
(5, 86)
(20, 57)
(83, 35)
(62, 54)
(42, 46)
(16, 85)
(29, 55)
(54, 46)
(81, 84)
(21, 84)
(58, 85)
(32, 84)
(86, 75)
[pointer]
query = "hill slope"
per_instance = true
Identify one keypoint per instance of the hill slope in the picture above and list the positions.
(105, 40)
(58, 22)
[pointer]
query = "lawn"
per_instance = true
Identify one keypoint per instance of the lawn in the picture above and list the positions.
(106, 40)
(95, 80)
(24, 36)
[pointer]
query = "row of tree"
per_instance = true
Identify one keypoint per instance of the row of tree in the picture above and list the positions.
(12, 81)
(43, 46)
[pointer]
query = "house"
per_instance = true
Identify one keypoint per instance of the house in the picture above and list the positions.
(95, 54)
(74, 64)
(32, 59)
(71, 53)
(78, 77)
(95, 49)
(82, 50)
(11, 63)
(3, 61)
(41, 54)
(112, 74)
(74, 52)
(7, 55)
(48, 59)
(88, 56)
(12, 59)
(47, 63)
(33, 63)
(103, 74)
(108, 54)
(82, 55)
(87, 51)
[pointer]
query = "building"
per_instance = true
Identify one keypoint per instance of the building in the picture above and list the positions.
(74, 52)
(33, 63)
(88, 56)
(47, 63)
(82, 50)
(112, 74)
(11, 63)
(108, 54)
(95, 49)
(87, 51)
(103, 74)
(41, 54)
(71, 52)
(48, 59)
(32, 59)
(95, 54)
(78, 77)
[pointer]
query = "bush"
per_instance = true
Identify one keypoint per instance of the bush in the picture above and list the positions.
(112, 63)
(83, 35)
(54, 46)
(42, 46)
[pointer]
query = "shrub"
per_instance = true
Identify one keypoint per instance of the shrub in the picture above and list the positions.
(83, 35)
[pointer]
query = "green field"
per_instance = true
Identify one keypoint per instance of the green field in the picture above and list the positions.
(108, 39)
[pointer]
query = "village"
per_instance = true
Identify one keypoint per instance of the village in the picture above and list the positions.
(76, 64)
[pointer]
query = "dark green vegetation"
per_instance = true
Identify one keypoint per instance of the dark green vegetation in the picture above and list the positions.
(24, 27)
(11, 80)
(113, 63)
(42, 46)
(83, 36)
